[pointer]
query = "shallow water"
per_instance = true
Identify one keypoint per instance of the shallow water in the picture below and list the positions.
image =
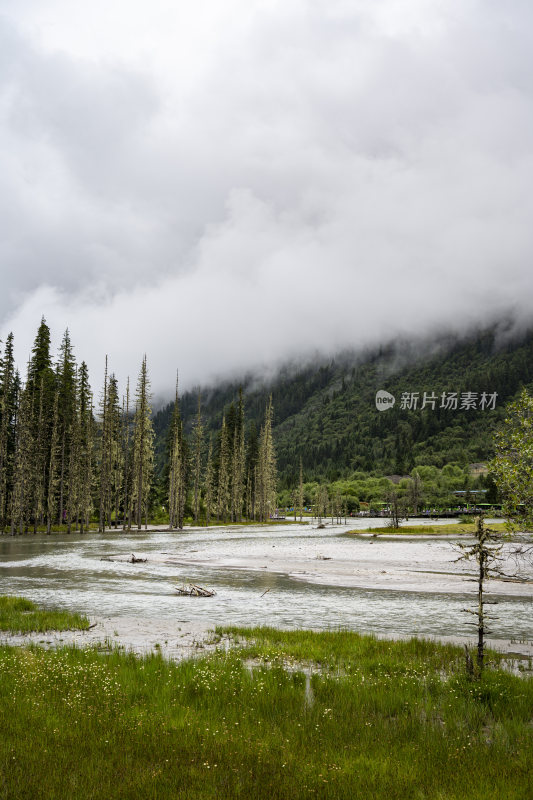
(291, 576)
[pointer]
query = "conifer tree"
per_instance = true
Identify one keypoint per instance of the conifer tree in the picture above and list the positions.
(198, 437)
(86, 426)
(39, 458)
(8, 401)
(238, 465)
(66, 388)
(126, 458)
(184, 480)
(209, 484)
(266, 471)
(104, 467)
(143, 449)
(301, 492)
(74, 468)
(252, 454)
(41, 387)
(51, 504)
(223, 473)
(112, 453)
(21, 499)
(176, 468)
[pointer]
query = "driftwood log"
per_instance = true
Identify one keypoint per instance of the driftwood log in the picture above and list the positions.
(135, 560)
(195, 591)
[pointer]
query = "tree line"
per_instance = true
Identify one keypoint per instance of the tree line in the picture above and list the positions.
(67, 462)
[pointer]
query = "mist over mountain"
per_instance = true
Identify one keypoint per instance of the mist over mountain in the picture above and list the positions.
(227, 187)
(326, 415)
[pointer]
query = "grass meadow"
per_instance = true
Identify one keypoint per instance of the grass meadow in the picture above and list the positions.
(277, 715)
(19, 615)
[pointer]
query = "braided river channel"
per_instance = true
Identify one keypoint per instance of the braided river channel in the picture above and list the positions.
(287, 576)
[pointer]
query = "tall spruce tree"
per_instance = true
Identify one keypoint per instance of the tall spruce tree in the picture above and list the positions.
(301, 492)
(8, 400)
(51, 500)
(126, 458)
(104, 478)
(86, 447)
(266, 467)
(39, 460)
(177, 467)
(223, 492)
(74, 465)
(112, 454)
(198, 439)
(41, 386)
(252, 454)
(238, 462)
(209, 484)
(21, 503)
(66, 389)
(143, 446)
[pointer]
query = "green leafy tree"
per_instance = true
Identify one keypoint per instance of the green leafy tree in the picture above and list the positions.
(512, 465)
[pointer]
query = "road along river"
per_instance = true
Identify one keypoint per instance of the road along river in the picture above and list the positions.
(287, 576)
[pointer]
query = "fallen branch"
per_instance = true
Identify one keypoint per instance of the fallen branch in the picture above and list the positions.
(191, 590)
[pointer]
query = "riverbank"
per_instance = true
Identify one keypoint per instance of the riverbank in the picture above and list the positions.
(292, 577)
(19, 615)
(180, 641)
(289, 715)
(448, 529)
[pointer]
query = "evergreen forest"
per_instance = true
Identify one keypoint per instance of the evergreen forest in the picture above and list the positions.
(312, 436)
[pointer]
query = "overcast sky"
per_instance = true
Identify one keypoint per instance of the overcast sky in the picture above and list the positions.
(226, 183)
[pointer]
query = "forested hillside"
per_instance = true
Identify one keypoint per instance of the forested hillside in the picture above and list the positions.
(326, 414)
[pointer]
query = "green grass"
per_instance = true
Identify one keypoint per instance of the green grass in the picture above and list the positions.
(432, 530)
(19, 615)
(380, 719)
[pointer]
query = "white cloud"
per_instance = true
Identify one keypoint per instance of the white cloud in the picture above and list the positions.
(226, 185)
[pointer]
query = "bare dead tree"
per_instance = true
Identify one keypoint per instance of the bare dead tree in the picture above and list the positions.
(486, 552)
(397, 508)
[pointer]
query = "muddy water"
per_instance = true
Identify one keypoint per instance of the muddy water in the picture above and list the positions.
(288, 576)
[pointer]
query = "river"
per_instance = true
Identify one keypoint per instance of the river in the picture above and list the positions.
(288, 576)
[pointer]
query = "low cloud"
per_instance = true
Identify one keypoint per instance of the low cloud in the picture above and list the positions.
(320, 179)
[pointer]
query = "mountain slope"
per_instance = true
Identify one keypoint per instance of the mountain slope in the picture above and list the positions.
(326, 414)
